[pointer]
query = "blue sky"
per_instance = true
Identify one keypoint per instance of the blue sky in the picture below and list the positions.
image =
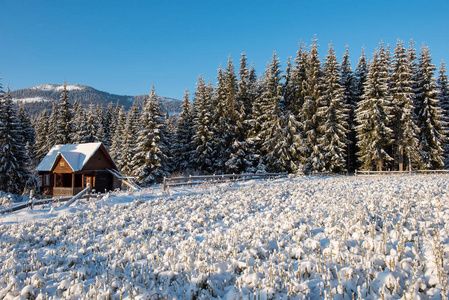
(124, 47)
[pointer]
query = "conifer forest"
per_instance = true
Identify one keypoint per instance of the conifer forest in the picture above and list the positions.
(389, 112)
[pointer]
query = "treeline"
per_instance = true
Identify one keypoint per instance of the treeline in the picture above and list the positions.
(390, 113)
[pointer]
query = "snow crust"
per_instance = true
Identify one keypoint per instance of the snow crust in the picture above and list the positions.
(76, 155)
(297, 238)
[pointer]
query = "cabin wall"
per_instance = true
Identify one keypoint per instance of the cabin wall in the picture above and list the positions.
(61, 166)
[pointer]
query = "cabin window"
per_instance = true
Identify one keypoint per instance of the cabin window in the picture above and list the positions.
(47, 180)
(62, 164)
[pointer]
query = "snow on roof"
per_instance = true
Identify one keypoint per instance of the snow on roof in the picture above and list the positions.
(76, 155)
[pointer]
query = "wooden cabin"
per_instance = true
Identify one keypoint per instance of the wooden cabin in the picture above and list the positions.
(67, 169)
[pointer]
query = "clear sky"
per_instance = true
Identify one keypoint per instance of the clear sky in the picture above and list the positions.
(124, 47)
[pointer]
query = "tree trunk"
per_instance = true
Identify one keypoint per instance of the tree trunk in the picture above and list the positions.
(401, 159)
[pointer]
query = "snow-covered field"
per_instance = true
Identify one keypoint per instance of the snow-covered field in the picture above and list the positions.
(298, 238)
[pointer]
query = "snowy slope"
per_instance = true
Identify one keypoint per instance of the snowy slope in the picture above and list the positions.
(305, 237)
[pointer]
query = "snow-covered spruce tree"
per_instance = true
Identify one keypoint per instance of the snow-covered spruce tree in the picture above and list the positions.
(229, 128)
(42, 145)
(100, 121)
(428, 114)
(404, 138)
(275, 135)
(334, 115)
(78, 126)
(312, 155)
(298, 76)
(204, 154)
(360, 74)
(54, 138)
(118, 147)
(150, 162)
(241, 157)
(65, 117)
(348, 84)
(13, 159)
(372, 117)
(247, 92)
(129, 139)
(29, 137)
(184, 132)
(443, 98)
(109, 123)
(91, 127)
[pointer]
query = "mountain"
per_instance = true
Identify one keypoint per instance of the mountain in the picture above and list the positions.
(38, 98)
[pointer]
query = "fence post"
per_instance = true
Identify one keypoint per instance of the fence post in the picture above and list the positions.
(165, 184)
(190, 180)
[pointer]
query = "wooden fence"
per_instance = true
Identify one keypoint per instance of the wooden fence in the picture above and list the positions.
(195, 180)
(413, 172)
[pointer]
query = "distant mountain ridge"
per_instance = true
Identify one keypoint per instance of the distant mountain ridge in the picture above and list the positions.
(38, 98)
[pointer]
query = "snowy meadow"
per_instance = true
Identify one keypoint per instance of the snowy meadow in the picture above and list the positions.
(376, 237)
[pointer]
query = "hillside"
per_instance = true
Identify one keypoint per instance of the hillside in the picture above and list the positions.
(37, 98)
(378, 237)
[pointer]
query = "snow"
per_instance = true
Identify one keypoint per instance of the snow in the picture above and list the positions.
(379, 237)
(56, 87)
(30, 99)
(76, 155)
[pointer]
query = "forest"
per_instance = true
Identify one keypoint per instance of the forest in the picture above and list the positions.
(390, 113)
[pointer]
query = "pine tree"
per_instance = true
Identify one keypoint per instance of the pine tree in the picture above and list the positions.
(150, 163)
(334, 113)
(372, 116)
(204, 148)
(13, 159)
(184, 132)
(312, 154)
(428, 112)
(402, 124)
(443, 98)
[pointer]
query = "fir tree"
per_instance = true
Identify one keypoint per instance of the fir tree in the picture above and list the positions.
(13, 159)
(443, 98)
(372, 116)
(429, 115)
(402, 124)
(150, 163)
(334, 113)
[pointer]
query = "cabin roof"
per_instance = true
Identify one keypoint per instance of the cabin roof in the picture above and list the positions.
(76, 155)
